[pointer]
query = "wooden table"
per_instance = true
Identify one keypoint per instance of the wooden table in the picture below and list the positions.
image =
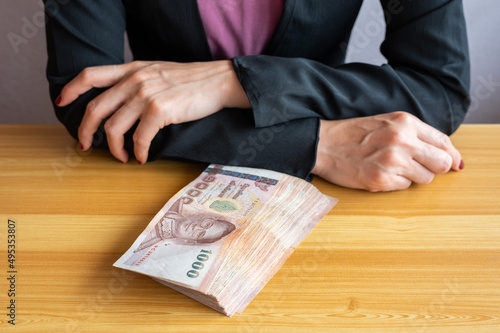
(421, 260)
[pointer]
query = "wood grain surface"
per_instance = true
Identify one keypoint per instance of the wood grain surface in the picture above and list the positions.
(422, 260)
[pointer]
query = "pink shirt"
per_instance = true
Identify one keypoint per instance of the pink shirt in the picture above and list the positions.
(239, 27)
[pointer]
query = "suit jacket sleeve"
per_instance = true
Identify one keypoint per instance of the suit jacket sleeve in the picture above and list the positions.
(427, 73)
(83, 33)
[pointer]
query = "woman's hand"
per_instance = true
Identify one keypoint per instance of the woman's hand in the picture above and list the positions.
(156, 93)
(383, 153)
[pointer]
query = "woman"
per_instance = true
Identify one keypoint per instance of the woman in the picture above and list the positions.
(206, 87)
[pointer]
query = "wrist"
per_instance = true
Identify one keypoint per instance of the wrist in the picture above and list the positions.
(234, 95)
(320, 150)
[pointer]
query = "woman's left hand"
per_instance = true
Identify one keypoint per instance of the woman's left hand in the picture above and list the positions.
(155, 93)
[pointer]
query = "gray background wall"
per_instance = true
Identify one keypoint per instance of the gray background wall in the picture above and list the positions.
(24, 90)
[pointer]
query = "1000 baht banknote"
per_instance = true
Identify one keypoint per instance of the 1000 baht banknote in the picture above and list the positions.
(222, 237)
(182, 241)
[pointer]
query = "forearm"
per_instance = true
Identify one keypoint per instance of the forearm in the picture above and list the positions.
(428, 82)
(229, 137)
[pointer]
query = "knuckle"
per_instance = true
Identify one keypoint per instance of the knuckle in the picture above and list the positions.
(402, 117)
(390, 158)
(91, 109)
(394, 137)
(143, 91)
(155, 108)
(172, 118)
(88, 74)
(136, 63)
(110, 128)
(139, 141)
(378, 181)
(154, 66)
(446, 164)
(166, 75)
(138, 77)
(444, 139)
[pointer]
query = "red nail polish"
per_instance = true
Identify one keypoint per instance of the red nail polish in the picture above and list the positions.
(462, 165)
(139, 162)
(81, 146)
(58, 100)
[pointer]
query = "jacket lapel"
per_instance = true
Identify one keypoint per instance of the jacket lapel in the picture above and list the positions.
(281, 28)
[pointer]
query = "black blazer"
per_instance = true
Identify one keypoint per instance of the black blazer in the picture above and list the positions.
(300, 78)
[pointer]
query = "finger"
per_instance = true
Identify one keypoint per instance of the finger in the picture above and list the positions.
(116, 142)
(417, 173)
(391, 183)
(432, 136)
(400, 183)
(435, 159)
(111, 100)
(94, 77)
(116, 127)
(146, 131)
(380, 177)
(92, 118)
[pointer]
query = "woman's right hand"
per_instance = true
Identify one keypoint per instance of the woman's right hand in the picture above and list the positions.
(385, 152)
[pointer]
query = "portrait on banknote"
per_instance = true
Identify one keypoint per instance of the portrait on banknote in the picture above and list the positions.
(191, 229)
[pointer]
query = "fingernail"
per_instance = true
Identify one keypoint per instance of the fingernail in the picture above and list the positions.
(81, 147)
(58, 100)
(462, 165)
(139, 162)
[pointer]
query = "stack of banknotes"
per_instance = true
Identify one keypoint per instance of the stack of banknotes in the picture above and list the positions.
(220, 239)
